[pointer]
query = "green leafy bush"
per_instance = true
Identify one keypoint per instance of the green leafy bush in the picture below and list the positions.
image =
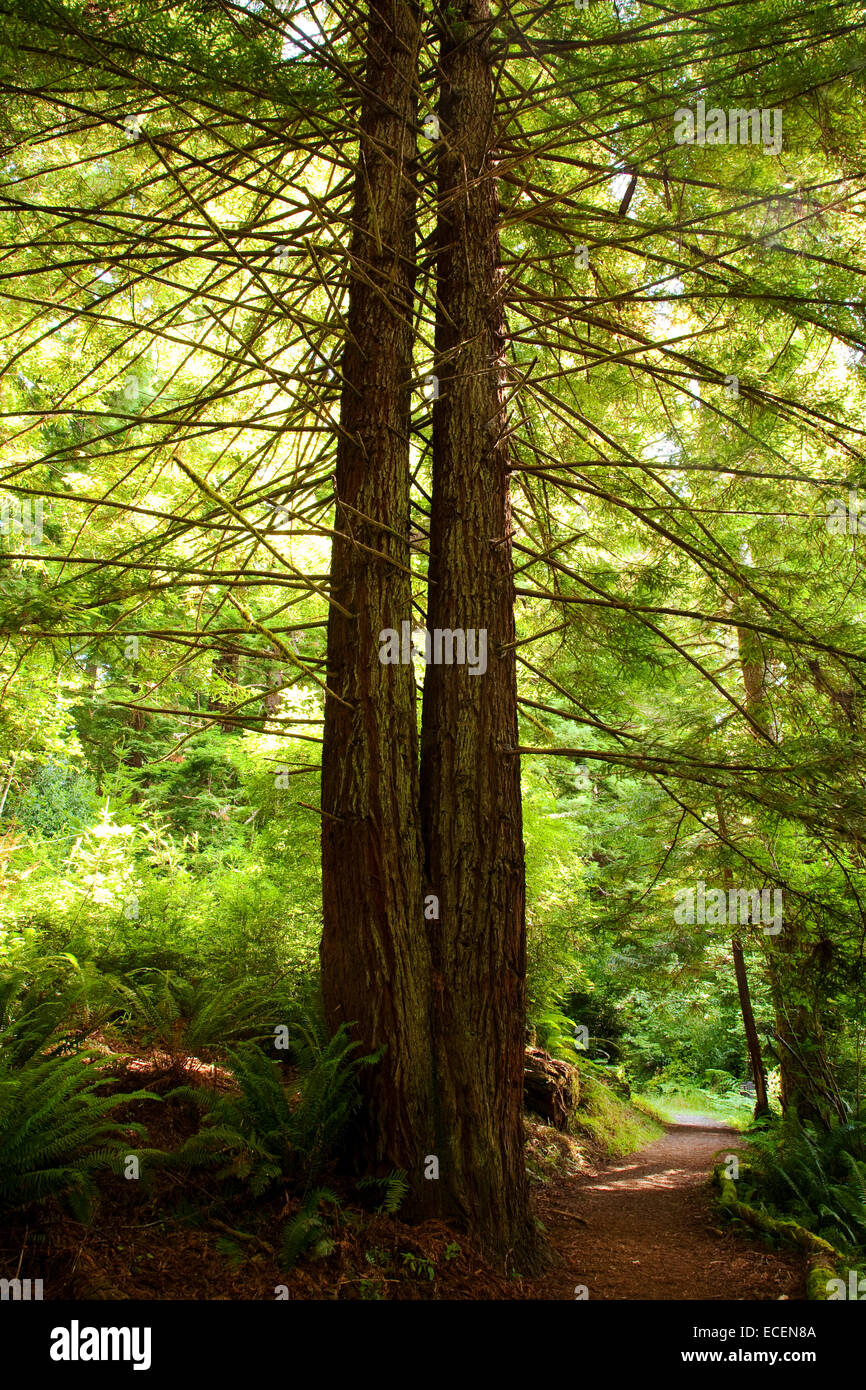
(47, 1005)
(56, 800)
(817, 1179)
(393, 1189)
(307, 1231)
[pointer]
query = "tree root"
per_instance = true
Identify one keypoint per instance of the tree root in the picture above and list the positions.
(824, 1262)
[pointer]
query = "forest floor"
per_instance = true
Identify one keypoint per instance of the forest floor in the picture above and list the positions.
(639, 1227)
(645, 1227)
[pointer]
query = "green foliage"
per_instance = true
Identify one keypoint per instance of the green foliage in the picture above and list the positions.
(612, 1123)
(307, 1232)
(130, 894)
(393, 1189)
(46, 1005)
(168, 1010)
(668, 1100)
(817, 1179)
(555, 1033)
(56, 800)
(273, 1131)
(419, 1266)
(56, 1130)
(670, 536)
(556, 905)
(233, 1251)
(371, 1291)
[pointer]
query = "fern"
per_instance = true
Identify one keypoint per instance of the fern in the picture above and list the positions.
(307, 1231)
(181, 1015)
(47, 1008)
(271, 1133)
(394, 1188)
(555, 1033)
(232, 1251)
(329, 1095)
(819, 1180)
(55, 1131)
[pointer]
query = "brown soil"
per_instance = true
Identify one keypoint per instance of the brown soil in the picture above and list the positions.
(644, 1227)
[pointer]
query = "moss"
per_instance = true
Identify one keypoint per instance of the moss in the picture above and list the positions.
(615, 1125)
(649, 1109)
(785, 1230)
(817, 1283)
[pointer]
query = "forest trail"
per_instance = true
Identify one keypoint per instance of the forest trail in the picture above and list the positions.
(645, 1227)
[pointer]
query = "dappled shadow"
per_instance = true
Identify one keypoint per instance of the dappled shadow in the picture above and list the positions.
(645, 1227)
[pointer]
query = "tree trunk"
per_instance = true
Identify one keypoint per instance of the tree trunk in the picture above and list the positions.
(226, 665)
(806, 1081)
(551, 1088)
(374, 953)
(470, 775)
(753, 1042)
(753, 665)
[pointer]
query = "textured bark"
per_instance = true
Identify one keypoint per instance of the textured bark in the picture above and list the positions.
(470, 777)
(374, 953)
(753, 665)
(806, 1080)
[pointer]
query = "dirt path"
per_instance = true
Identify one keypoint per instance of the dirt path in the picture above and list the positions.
(645, 1227)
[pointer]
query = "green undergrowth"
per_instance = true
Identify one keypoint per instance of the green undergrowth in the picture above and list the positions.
(614, 1125)
(795, 1172)
(602, 1126)
(668, 1105)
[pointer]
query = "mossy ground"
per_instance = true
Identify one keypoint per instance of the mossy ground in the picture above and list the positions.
(616, 1126)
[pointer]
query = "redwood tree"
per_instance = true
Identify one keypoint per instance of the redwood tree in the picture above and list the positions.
(374, 952)
(470, 773)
